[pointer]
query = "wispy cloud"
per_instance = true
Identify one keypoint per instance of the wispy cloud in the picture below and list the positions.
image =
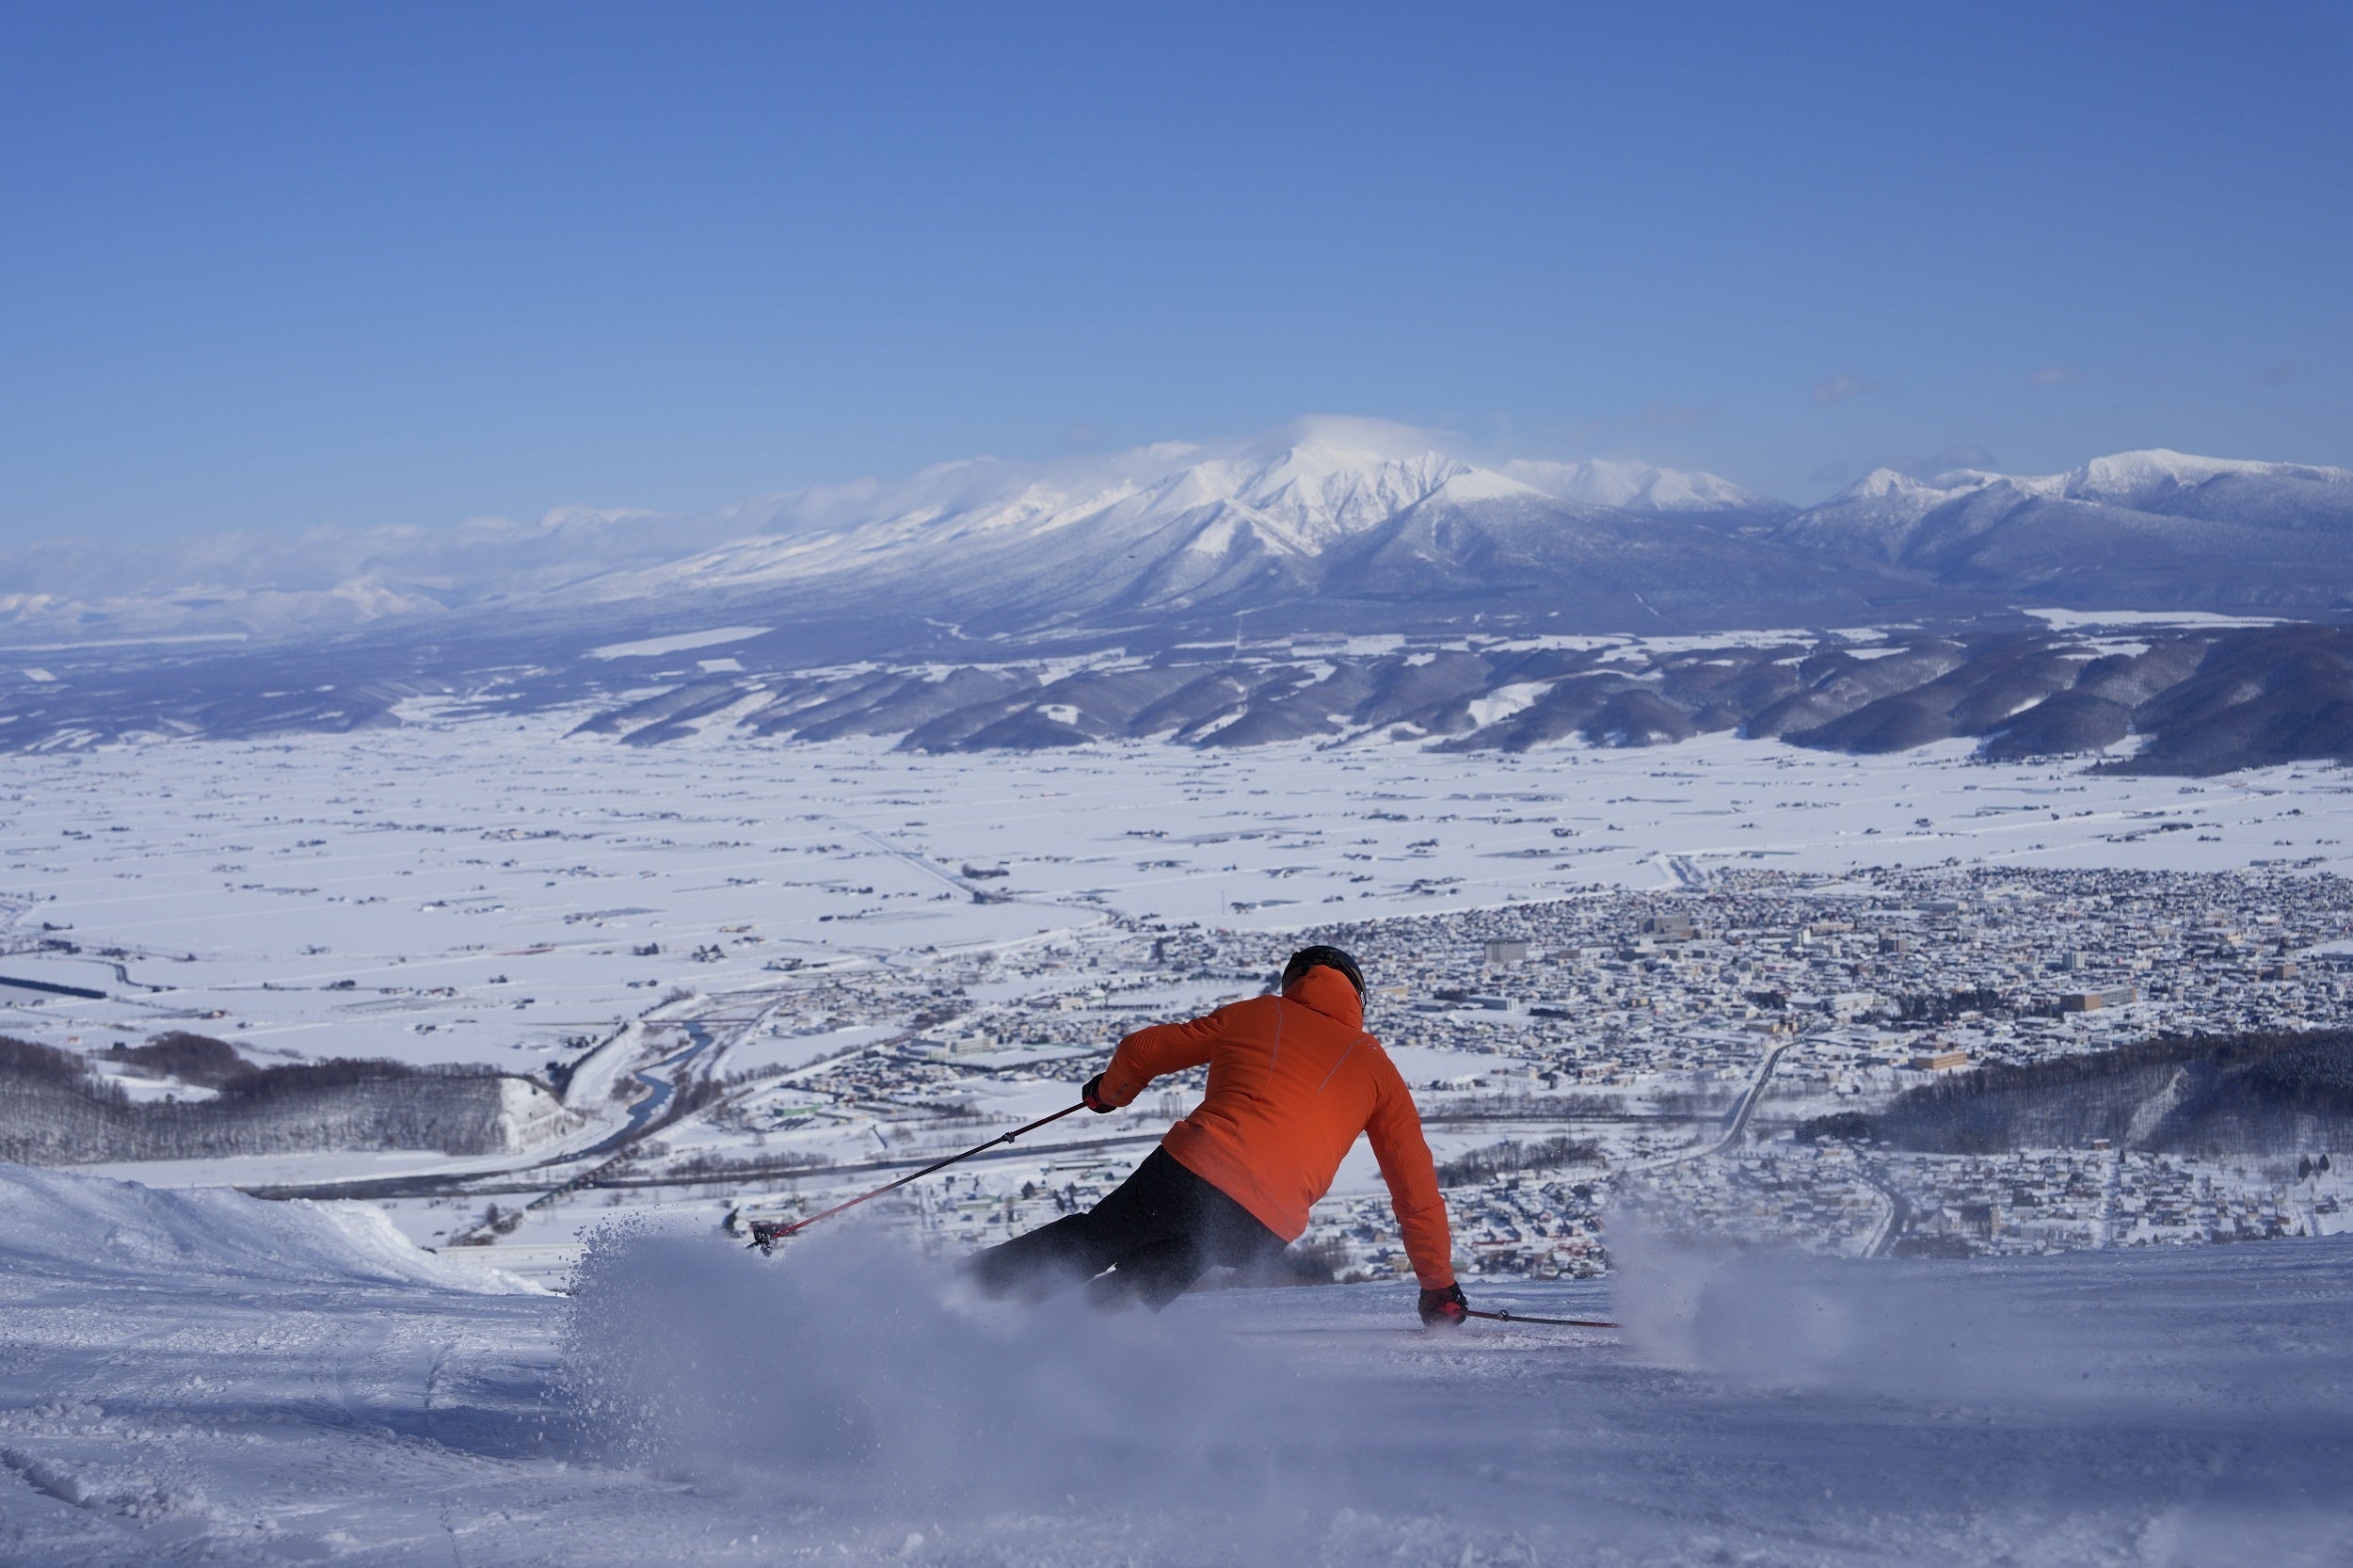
(1845, 385)
(2055, 375)
(2278, 374)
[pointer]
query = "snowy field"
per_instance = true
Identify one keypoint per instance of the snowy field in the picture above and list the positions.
(478, 892)
(206, 1377)
(462, 890)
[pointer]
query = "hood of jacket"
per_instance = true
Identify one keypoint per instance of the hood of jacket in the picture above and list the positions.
(1329, 993)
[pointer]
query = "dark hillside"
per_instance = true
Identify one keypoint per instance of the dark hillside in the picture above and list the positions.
(54, 1111)
(2253, 1094)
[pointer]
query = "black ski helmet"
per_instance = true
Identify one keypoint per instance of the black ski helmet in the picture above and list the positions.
(1322, 957)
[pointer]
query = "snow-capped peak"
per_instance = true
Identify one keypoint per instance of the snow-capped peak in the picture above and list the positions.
(1324, 491)
(1635, 486)
(1884, 505)
(1887, 483)
(2136, 478)
(1485, 484)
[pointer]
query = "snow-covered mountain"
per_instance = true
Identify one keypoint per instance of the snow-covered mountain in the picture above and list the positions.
(1897, 517)
(1172, 527)
(2219, 489)
(327, 580)
(1162, 522)
(1314, 516)
(2153, 529)
(1340, 524)
(1322, 508)
(1642, 487)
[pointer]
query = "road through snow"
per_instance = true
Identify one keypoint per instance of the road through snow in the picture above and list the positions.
(200, 1377)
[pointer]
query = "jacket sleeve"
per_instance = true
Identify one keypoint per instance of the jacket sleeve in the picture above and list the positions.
(1161, 1048)
(1414, 1196)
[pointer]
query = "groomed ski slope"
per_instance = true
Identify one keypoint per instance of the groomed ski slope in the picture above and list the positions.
(205, 1378)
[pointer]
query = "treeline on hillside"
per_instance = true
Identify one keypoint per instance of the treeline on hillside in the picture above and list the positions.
(55, 1110)
(1511, 1157)
(2244, 1093)
(197, 1059)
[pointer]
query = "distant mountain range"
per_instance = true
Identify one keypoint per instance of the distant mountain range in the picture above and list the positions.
(2141, 529)
(1326, 514)
(1335, 525)
(1188, 583)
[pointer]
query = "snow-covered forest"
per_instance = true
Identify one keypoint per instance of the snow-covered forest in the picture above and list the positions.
(54, 1111)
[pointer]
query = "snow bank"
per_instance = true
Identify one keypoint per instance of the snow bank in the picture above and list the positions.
(2020, 1334)
(844, 1373)
(84, 1228)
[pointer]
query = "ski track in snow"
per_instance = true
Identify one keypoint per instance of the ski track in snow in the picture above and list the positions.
(205, 1378)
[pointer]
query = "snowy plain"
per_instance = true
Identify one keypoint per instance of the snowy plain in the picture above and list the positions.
(507, 893)
(192, 1375)
(475, 893)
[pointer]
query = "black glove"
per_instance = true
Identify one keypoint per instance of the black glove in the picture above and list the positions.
(1445, 1306)
(1093, 1095)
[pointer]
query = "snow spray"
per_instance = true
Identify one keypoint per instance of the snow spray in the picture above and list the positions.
(862, 1375)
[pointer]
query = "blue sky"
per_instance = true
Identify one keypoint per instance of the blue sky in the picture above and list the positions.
(272, 267)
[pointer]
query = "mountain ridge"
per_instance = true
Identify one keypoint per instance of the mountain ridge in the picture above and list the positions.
(1339, 522)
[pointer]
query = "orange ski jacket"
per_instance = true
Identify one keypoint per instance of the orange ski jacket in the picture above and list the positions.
(1292, 1080)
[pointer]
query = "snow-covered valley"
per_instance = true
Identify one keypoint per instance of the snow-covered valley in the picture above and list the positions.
(763, 977)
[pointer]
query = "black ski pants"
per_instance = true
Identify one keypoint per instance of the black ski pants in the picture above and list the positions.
(1156, 1233)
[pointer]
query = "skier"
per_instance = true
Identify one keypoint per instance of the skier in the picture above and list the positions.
(1293, 1078)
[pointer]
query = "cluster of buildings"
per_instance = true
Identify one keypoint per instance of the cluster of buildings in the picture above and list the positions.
(2061, 1199)
(1685, 1031)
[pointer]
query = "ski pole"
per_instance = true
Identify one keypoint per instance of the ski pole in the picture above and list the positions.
(767, 1232)
(1553, 1322)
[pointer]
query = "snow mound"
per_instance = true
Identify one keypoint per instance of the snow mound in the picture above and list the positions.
(81, 1228)
(2018, 1334)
